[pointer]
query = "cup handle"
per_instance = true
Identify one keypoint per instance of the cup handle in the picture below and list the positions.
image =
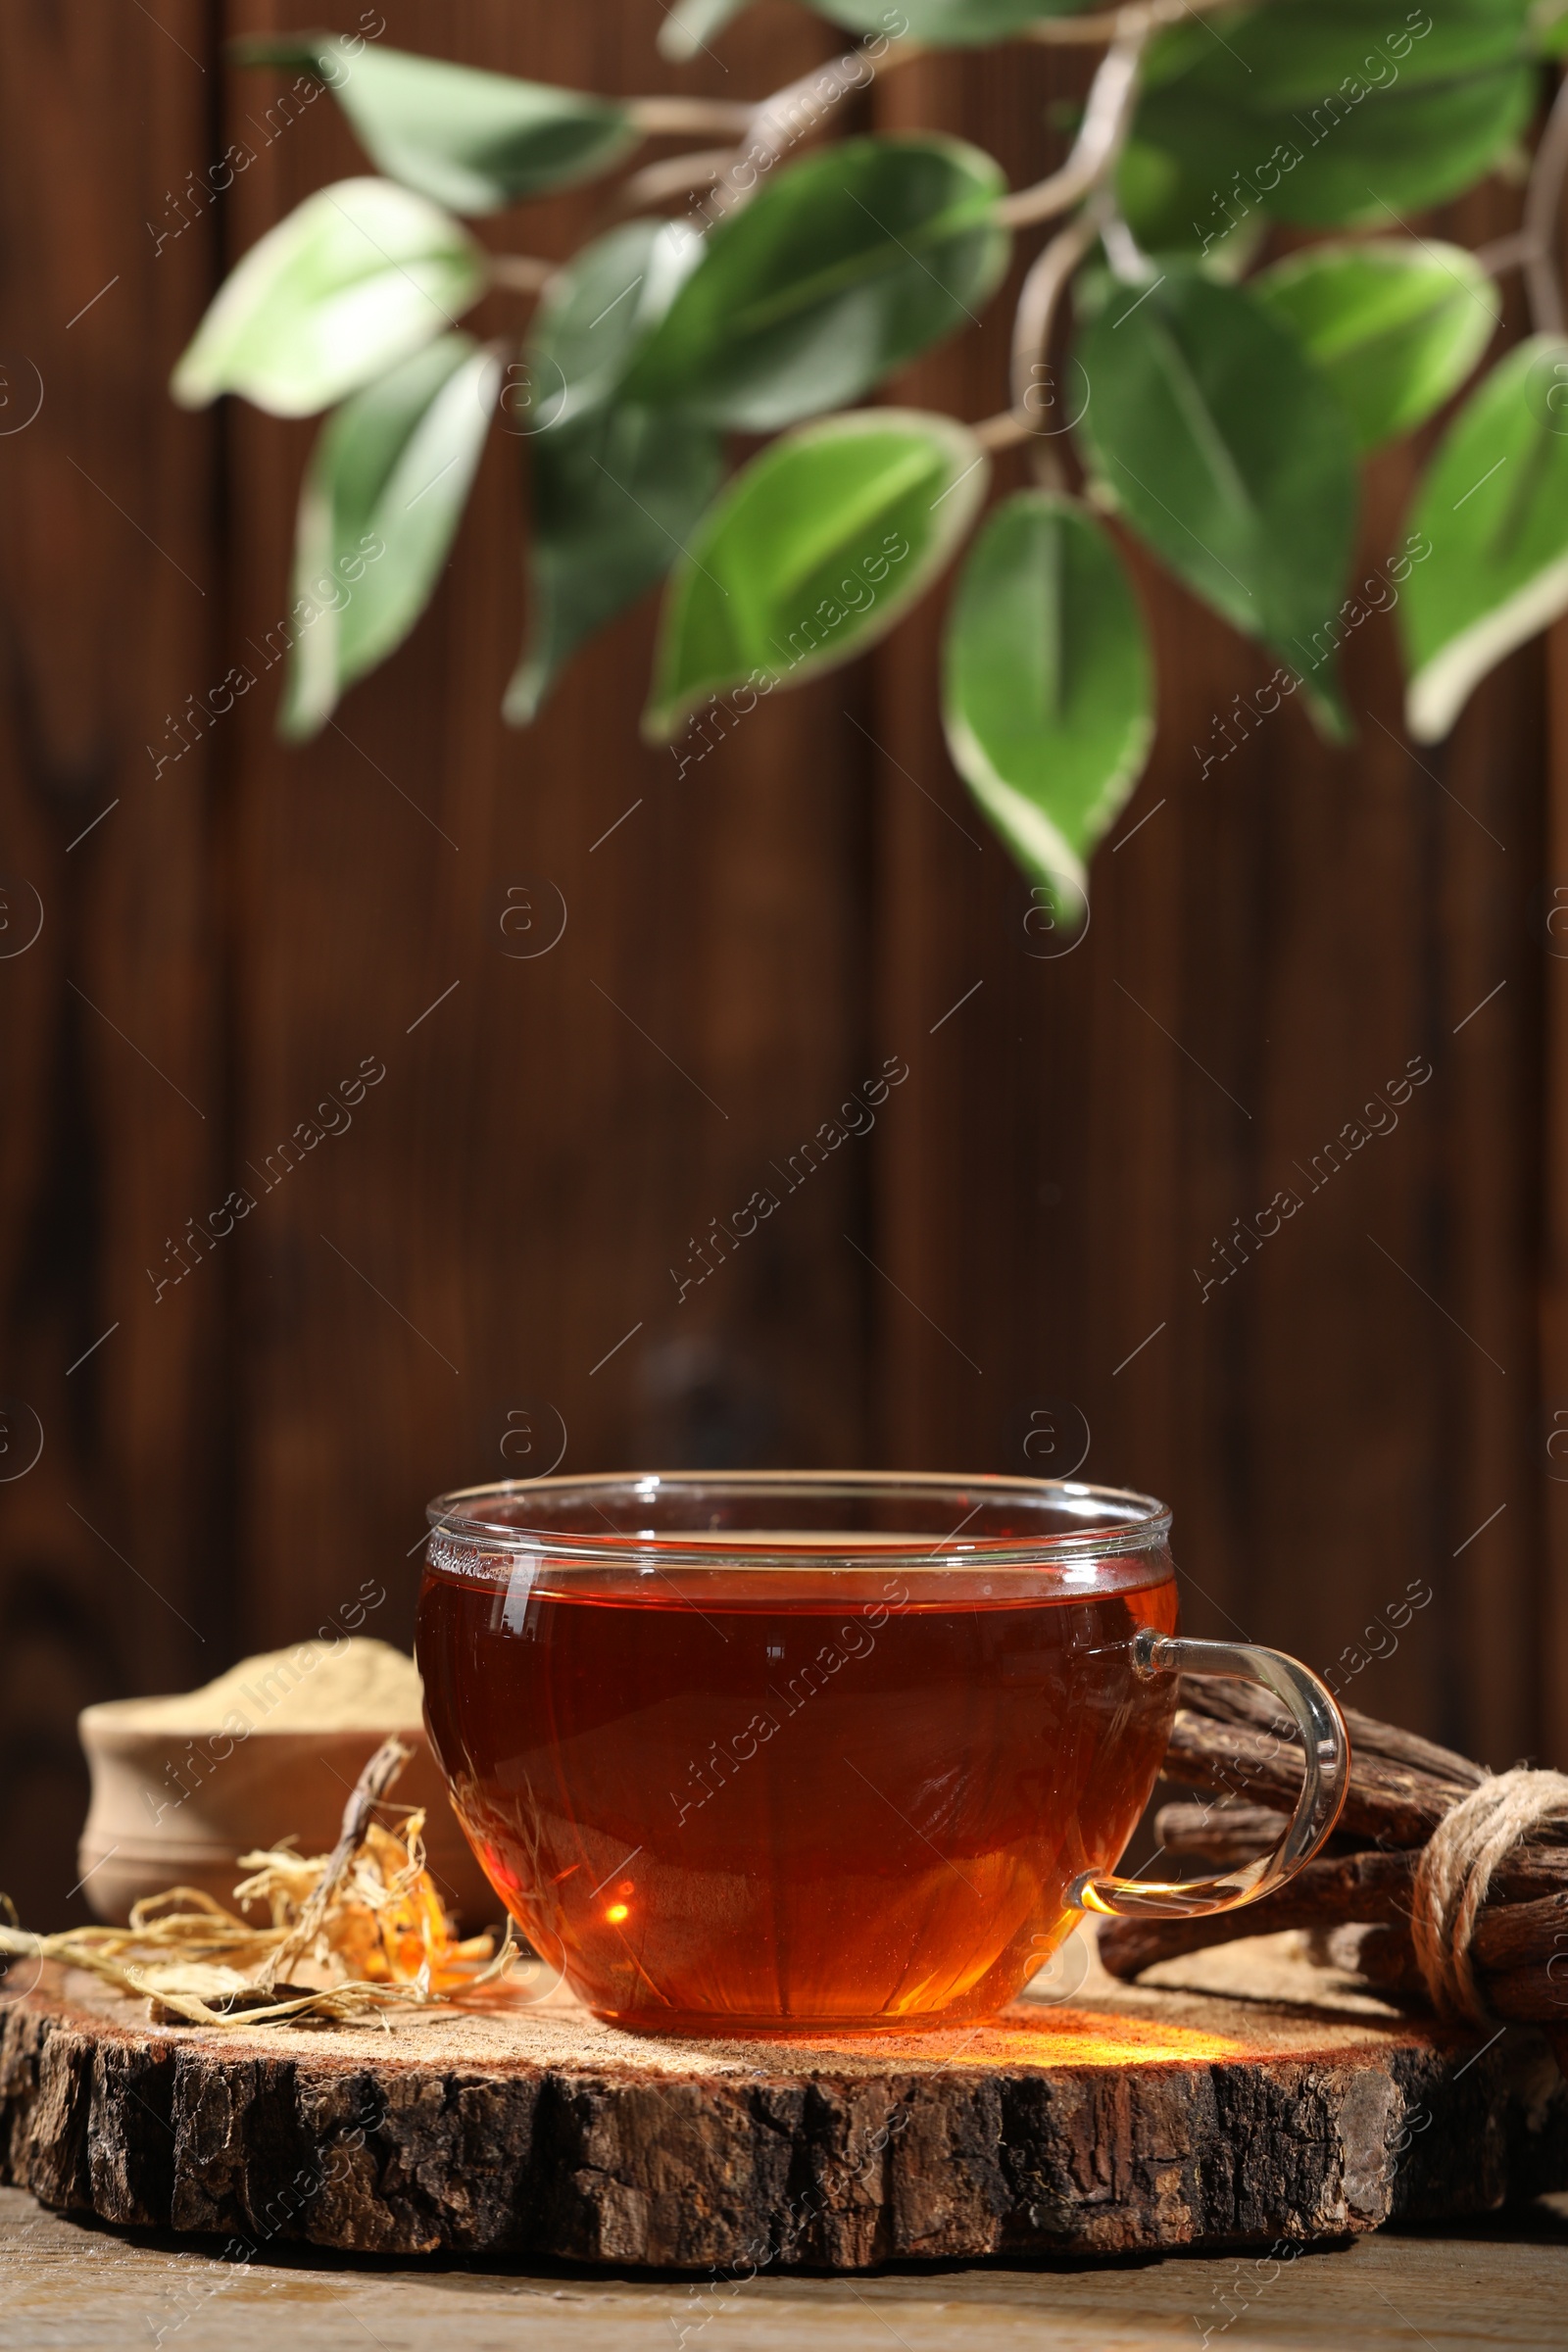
(1326, 1755)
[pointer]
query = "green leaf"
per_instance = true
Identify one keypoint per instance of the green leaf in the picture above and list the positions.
(354, 279)
(691, 24)
(594, 315)
(1322, 112)
(1170, 209)
(390, 472)
(616, 488)
(1227, 451)
(617, 494)
(1047, 688)
(1396, 325)
(1495, 509)
(470, 140)
(842, 268)
(943, 23)
(812, 553)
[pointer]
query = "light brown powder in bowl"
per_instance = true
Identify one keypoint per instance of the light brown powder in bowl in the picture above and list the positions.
(351, 1686)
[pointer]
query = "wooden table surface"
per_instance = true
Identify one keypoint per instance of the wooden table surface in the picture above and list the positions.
(1501, 2282)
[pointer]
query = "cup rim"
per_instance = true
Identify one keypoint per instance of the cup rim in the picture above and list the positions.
(1137, 1523)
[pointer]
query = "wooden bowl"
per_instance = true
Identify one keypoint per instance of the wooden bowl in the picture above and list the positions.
(170, 1809)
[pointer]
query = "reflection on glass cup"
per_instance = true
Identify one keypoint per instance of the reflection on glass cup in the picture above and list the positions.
(775, 1753)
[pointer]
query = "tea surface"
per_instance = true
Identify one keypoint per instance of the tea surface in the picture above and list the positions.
(722, 1802)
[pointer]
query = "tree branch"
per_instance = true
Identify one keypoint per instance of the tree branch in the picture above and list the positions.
(774, 128)
(660, 117)
(1543, 214)
(1098, 142)
(1505, 253)
(1532, 247)
(1042, 291)
(1095, 32)
(656, 183)
(1087, 173)
(519, 272)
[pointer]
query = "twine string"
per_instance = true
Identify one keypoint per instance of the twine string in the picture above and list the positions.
(1454, 1874)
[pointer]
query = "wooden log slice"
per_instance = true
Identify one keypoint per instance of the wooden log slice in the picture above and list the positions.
(1135, 2118)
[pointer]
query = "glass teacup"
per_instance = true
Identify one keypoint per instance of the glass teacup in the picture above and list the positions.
(803, 1754)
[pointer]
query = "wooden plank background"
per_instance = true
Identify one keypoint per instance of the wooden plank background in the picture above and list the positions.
(476, 1270)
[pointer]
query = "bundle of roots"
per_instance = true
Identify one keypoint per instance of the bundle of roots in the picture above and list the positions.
(1445, 1887)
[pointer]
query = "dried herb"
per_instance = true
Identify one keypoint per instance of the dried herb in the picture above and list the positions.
(352, 1933)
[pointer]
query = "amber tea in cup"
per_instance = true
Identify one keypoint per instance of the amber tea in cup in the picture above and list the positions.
(762, 1753)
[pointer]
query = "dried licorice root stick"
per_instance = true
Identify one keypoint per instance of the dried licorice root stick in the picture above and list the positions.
(1516, 1947)
(1362, 1887)
(1227, 1834)
(1230, 1737)
(1225, 1831)
(375, 1781)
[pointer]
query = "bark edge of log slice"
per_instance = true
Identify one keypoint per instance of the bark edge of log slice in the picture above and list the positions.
(1234, 2123)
